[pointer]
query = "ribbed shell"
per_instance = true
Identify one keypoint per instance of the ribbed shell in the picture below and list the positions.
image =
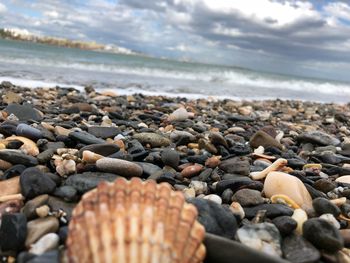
(135, 221)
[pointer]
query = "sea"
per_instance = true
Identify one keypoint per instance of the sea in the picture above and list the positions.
(38, 65)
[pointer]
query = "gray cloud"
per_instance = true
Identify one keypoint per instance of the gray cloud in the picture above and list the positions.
(192, 28)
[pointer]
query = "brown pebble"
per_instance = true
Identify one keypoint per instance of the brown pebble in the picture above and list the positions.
(10, 187)
(191, 170)
(212, 162)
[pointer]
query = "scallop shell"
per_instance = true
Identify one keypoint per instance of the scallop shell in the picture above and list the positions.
(135, 221)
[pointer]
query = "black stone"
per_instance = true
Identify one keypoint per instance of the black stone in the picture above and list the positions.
(296, 249)
(66, 192)
(104, 132)
(236, 165)
(237, 183)
(324, 206)
(33, 183)
(85, 137)
(15, 170)
(104, 149)
(88, 180)
(272, 210)
(285, 224)
(23, 112)
(323, 234)
(167, 177)
(16, 157)
(28, 131)
(51, 256)
(13, 231)
(248, 197)
(215, 218)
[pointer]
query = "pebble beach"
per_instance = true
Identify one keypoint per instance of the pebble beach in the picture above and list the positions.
(271, 175)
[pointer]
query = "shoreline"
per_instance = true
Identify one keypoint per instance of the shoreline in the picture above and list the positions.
(271, 174)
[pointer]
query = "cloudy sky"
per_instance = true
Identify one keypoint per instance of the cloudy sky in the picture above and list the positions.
(310, 38)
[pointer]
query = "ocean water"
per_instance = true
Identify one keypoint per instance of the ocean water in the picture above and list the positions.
(38, 65)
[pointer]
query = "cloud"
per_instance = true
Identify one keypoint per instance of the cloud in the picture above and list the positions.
(261, 34)
(3, 8)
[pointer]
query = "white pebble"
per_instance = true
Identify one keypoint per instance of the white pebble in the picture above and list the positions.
(214, 198)
(46, 243)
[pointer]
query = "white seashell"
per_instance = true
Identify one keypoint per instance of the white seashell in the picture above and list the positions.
(180, 114)
(300, 216)
(134, 221)
(276, 165)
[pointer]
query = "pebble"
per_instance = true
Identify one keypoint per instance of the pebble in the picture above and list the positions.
(272, 210)
(343, 179)
(104, 132)
(191, 170)
(318, 137)
(324, 206)
(199, 187)
(236, 165)
(30, 207)
(331, 219)
(282, 183)
(40, 227)
(323, 235)
(215, 218)
(324, 185)
(248, 197)
(180, 114)
(154, 139)
(264, 237)
(238, 183)
(13, 231)
(24, 112)
(28, 131)
(296, 249)
(170, 157)
(88, 180)
(17, 157)
(104, 149)
(215, 198)
(120, 167)
(44, 244)
(285, 224)
(85, 137)
(33, 183)
(261, 138)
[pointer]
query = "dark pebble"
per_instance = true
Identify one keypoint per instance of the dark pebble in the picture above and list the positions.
(85, 137)
(248, 197)
(88, 180)
(272, 210)
(13, 231)
(33, 183)
(324, 206)
(285, 224)
(16, 157)
(28, 131)
(296, 249)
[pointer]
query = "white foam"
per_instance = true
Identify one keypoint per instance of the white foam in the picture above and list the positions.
(28, 83)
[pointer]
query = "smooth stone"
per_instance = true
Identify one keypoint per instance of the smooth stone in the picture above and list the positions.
(63, 233)
(154, 139)
(45, 156)
(66, 192)
(24, 112)
(236, 165)
(45, 243)
(104, 132)
(88, 180)
(343, 179)
(120, 167)
(10, 186)
(10, 207)
(285, 224)
(40, 227)
(324, 185)
(237, 118)
(171, 158)
(215, 198)
(226, 196)
(17, 157)
(248, 197)
(191, 170)
(104, 149)
(237, 183)
(296, 249)
(318, 137)
(272, 210)
(33, 183)
(85, 137)
(261, 138)
(149, 168)
(324, 206)
(28, 131)
(13, 231)
(282, 183)
(180, 114)
(199, 187)
(167, 178)
(52, 256)
(30, 206)
(216, 219)
(264, 237)
(323, 235)
(331, 219)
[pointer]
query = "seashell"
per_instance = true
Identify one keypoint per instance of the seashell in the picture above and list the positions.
(134, 221)
(66, 167)
(276, 165)
(343, 179)
(300, 217)
(91, 157)
(28, 145)
(284, 199)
